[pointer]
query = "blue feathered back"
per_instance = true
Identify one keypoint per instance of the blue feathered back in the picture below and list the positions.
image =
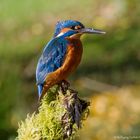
(52, 58)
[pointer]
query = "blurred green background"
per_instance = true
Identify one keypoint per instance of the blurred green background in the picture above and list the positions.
(109, 74)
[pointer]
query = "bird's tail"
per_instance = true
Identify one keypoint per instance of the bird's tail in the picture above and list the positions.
(40, 88)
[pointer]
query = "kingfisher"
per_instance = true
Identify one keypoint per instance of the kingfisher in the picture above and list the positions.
(61, 55)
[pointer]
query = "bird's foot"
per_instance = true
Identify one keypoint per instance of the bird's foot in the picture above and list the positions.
(64, 85)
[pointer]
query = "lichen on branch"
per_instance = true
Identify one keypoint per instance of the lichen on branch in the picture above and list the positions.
(59, 116)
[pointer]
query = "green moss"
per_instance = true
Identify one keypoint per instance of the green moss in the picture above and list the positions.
(47, 124)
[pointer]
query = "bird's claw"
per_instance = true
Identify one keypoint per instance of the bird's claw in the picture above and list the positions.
(64, 85)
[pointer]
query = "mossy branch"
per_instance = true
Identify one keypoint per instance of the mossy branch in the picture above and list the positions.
(60, 115)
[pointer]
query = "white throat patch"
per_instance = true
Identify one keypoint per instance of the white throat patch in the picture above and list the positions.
(60, 34)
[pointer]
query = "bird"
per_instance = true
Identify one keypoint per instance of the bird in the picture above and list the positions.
(62, 54)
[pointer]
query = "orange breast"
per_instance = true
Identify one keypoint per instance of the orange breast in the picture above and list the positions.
(73, 57)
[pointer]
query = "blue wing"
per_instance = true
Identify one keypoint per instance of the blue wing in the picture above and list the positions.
(51, 58)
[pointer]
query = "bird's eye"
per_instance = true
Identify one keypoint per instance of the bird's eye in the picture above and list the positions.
(75, 27)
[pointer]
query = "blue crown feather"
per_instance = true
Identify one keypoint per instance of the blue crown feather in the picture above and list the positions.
(65, 24)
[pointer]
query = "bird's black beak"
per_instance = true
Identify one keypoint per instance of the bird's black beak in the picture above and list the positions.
(91, 31)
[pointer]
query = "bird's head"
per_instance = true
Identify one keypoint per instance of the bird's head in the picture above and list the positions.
(79, 29)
